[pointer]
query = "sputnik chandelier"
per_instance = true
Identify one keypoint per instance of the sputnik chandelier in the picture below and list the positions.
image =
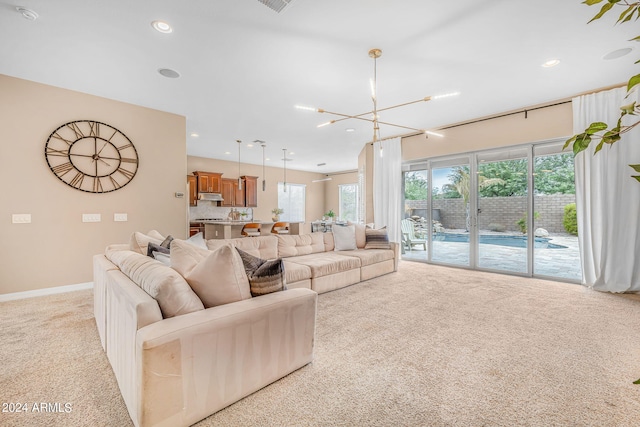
(372, 116)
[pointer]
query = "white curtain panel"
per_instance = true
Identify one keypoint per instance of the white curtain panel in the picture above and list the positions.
(387, 185)
(607, 198)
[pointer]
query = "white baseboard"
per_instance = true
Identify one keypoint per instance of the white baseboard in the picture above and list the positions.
(46, 291)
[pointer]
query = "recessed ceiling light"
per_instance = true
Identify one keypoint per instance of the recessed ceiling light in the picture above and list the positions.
(227, 152)
(195, 135)
(291, 153)
(617, 53)
(162, 27)
(267, 158)
(350, 129)
(169, 73)
(27, 13)
(551, 63)
(250, 145)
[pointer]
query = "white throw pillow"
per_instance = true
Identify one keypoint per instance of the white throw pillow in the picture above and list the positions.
(198, 241)
(344, 237)
(139, 241)
(163, 258)
(217, 277)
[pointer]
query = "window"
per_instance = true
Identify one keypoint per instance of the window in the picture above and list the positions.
(348, 195)
(292, 201)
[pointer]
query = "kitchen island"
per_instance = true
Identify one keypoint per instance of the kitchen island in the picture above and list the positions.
(231, 229)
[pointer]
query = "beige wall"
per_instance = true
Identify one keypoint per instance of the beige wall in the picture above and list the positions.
(540, 125)
(268, 200)
(56, 249)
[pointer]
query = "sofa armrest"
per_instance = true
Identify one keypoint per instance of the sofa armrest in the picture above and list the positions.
(396, 254)
(191, 366)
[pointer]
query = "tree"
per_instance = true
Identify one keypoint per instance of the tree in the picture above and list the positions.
(595, 130)
(415, 186)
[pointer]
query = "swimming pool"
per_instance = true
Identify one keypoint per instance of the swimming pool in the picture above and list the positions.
(493, 239)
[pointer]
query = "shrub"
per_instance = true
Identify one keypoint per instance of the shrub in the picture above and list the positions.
(495, 226)
(522, 222)
(570, 219)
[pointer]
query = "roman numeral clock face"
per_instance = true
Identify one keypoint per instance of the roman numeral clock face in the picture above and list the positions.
(91, 156)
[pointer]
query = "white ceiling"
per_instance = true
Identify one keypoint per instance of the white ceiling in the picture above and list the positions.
(244, 67)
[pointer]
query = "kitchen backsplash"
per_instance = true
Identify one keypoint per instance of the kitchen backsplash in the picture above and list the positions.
(207, 210)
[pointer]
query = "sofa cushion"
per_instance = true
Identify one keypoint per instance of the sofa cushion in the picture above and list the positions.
(329, 243)
(217, 277)
(370, 256)
(295, 272)
(139, 241)
(265, 247)
(303, 244)
(361, 238)
(264, 276)
(326, 263)
(344, 237)
(377, 238)
(165, 285)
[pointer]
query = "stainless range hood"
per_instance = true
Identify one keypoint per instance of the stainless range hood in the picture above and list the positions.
(212, 197)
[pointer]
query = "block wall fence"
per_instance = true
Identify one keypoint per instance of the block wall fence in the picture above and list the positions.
(505, 211)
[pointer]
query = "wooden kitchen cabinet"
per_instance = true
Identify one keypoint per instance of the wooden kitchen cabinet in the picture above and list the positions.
(250, 191)
(193, 190)
(209, 182)
(229, 188)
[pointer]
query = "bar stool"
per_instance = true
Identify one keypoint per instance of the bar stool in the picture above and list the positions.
(280, 228)
(251, 229)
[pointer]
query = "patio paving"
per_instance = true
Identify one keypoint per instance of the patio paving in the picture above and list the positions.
(561, 263)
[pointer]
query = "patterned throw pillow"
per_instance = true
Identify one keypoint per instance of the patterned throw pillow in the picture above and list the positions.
(162, 247)
(264, 276)
(377, 239)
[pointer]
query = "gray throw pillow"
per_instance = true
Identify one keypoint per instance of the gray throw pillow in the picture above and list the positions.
(264, 276)
(377, 238)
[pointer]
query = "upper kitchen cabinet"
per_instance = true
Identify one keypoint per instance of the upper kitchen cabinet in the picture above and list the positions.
(250, 191)
(209, 182)
(231, 192)
(193, 190)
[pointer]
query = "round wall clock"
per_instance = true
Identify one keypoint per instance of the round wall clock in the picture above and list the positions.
(91, 156)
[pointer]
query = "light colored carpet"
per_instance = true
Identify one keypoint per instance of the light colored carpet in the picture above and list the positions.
(427, 346)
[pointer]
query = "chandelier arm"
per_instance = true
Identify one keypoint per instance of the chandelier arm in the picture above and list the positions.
(347, 116)
(428, 98)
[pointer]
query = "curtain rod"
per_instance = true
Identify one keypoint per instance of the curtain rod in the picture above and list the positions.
(525, 111)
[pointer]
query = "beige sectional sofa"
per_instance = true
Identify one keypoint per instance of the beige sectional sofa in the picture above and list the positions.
(176, 362)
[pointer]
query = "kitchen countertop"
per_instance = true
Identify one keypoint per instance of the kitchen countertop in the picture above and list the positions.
(238, 222)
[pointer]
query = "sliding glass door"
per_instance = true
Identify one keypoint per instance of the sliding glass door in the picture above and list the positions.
(507, 210)
(555, 222)
(451, 209)
(502, 210)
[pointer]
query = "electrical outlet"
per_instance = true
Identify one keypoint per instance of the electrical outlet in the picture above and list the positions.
(91, 218)
(21, 218)
(120, 217)
(179, 194)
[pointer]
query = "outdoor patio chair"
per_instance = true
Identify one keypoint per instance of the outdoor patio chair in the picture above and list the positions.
(409, 236)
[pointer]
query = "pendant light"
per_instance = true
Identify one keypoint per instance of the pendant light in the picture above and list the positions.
(284, 162)
(239, 179)
(264, 176)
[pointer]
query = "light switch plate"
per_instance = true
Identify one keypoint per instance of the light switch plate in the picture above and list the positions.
(120, 217)
(21, 218)
(91, 218)
(179, 194)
